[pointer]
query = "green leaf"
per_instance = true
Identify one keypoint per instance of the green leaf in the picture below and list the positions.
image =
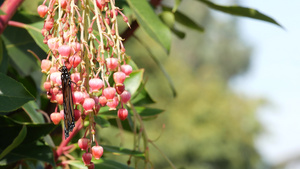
(133, 82)
(101, 121)
(178, 33)
(121, 3)
(142, 97)
(12, 94)
(124, 151)
(147, 112)
(112, 116)
(132, 64)
(161, 67)
(30, 147)
(177, 3)
(16, 142)
(184, 20)
(9, 129)
(33, 150)
(144, 112)
(77, 164)
(34, 30)
(125, 123)
(240, 11)
(31, 109)
(150, 22)
(3, 57)
(18, 42)
(2, 13)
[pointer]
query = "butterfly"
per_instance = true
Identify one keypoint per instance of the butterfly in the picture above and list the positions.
(66, 81)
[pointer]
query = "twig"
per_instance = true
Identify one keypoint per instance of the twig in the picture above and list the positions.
(60, 149)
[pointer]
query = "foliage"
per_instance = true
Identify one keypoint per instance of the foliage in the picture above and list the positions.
(208, 126)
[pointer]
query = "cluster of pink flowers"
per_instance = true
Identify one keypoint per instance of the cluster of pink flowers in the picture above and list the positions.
(90, 54)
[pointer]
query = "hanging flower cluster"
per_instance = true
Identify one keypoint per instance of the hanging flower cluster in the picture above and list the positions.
(83, 35)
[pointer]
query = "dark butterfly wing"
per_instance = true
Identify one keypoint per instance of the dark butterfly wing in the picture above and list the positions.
(68, 103)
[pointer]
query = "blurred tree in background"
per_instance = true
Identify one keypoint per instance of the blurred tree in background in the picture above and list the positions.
(206, 125)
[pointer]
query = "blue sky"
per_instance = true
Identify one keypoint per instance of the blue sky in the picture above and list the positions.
(274, 74)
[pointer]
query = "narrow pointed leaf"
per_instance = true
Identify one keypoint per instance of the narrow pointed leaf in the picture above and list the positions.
(178, 33)
(240, 11)
(4, 59)
(185, 20)
(147, 112)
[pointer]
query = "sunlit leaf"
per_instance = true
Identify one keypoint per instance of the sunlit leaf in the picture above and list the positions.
(35, 32)
(133, 82)
(240, 11)
(31, 109)
(150, 22)
(12, 94)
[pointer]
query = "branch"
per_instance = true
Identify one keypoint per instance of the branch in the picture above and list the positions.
(64, 143)
(9, 7)
(129, 31)
(155, 3)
